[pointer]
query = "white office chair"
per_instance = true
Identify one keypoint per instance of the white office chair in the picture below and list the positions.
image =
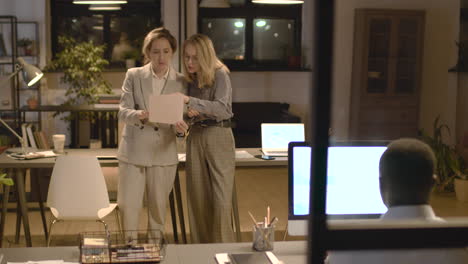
(78, 192)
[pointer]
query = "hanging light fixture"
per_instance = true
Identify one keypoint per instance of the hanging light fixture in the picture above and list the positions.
(215, 4)
(278, 2)
(111, 7)
(99, 2)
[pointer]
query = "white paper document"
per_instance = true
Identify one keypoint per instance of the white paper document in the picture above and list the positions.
(166, 108)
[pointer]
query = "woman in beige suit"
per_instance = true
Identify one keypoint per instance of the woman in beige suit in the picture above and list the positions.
(147, 152)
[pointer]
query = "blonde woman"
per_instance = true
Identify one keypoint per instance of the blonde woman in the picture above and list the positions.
(210, 143)
(147, 152)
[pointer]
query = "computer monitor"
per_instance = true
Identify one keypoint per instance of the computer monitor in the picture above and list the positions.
(352, 183)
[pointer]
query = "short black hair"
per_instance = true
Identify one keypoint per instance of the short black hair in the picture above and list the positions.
(408, 164)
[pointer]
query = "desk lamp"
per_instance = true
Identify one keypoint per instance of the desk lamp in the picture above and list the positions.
(31, 75)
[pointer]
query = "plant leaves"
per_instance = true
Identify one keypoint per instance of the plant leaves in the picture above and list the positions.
(6, 181)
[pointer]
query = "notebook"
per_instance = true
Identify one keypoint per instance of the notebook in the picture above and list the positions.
(247, 258)
(276, 137)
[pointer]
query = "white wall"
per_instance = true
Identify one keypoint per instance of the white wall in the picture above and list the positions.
(438, 87)
(28, 10)
(285, 87)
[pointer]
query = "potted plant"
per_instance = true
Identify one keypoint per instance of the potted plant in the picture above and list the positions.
(450, 164)
(32, 102)
(24, 46)
(82, 65)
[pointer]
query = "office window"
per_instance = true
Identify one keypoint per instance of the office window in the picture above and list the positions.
(122, 31)
(273, 39)
(232, 31)
(249, 36)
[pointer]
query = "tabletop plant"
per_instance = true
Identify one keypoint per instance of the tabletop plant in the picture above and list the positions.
(450, 164)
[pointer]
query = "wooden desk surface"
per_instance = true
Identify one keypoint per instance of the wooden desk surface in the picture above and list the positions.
(7, 162)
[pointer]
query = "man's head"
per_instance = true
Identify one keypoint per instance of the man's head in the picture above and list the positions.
(406, 173)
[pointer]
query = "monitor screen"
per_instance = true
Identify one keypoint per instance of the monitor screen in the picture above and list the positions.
(278, 135)
(352, 183)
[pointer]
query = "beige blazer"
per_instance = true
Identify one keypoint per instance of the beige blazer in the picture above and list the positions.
(146, 144)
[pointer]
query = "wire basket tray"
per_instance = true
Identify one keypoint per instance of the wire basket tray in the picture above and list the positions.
(138, 246)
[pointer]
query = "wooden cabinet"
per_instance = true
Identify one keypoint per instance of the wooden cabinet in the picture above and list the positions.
(388, 46)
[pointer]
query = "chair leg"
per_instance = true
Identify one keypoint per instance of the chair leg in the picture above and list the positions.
(50, 231)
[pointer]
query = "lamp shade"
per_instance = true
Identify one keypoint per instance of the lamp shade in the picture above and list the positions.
(31, 74)
(278, 2)
(215, 4)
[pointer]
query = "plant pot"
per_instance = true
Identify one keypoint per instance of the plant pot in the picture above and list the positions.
(2, 149)
(32, 103)
(461, 190)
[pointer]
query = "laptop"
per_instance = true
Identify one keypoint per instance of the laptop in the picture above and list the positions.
(276, 137)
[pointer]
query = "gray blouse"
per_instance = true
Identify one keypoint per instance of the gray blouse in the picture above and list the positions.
(213, 102)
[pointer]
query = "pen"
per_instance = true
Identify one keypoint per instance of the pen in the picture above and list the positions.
(265, 224)
(273, 221)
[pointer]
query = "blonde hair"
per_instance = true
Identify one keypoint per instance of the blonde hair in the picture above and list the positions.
(157, 33)
(207, 60)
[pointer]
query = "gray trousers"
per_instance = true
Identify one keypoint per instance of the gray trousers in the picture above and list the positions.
(210, 170)
(134, 181)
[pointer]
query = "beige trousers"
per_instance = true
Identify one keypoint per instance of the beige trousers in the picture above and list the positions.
(210, 170)
(134, 181)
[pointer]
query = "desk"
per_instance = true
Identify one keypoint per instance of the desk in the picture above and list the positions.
(290, 252)
(16, 171)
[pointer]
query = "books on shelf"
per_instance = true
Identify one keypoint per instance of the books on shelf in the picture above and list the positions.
(33, 137)
(24, 134)
(109, 99)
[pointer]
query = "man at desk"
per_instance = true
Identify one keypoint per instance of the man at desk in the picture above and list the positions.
(406, 179)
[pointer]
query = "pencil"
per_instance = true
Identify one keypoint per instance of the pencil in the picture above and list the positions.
(253, 218)
(268, 216)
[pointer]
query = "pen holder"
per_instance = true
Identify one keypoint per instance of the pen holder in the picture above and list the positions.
(263, 237)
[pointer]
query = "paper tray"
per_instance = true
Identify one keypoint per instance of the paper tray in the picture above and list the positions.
(142, 246)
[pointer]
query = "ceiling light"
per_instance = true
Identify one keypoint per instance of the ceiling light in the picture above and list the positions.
(238, 24)
(278, 2)
(215, 4)
(99, 2)
(104, 7)
(260, 23)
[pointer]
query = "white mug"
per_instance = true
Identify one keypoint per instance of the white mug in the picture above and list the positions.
(59, 142)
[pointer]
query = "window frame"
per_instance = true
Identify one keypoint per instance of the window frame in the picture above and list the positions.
(249, 12)
(66, 8)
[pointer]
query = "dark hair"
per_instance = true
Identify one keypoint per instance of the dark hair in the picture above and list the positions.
(157, 33)
(408, 164)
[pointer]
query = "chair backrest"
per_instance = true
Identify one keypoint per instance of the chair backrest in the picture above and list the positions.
(77, 188)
